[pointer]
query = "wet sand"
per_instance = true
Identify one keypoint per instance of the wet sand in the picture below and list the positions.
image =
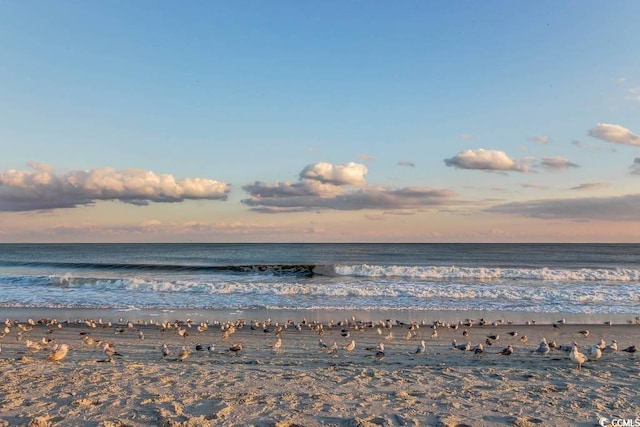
(305, 384)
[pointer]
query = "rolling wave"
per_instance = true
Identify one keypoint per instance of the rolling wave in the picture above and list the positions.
(355, 270)
(269, 269)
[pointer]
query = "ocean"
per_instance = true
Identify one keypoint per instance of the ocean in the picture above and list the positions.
(600, 280)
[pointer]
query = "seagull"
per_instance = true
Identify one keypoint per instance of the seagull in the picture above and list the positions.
(543, 347)
(277, 345)
(110, 351)
(494, 337)
(566, 347)
(584, 333)
(612, 347)
(421, 348)
(513, 333)
(631, 349)
(479, 349)
(33, 346)
(165, 350)
(334, 349)
(184, 353)
(379, 347)
(141, 335)
(434, 334)
(463, 347)
(236, 348)
(595, 353)
(350, 346)
(211, 348)
(58, 353)
(602, 344)
(507, 351)
(577, 357)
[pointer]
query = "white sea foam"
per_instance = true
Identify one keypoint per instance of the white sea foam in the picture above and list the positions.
(487, 273)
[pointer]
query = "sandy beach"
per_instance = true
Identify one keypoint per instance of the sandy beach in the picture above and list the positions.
(302, 383)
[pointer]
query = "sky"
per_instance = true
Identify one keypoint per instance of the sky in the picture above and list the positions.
(333, 121)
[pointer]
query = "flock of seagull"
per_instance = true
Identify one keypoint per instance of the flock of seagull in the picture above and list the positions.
(58, 352)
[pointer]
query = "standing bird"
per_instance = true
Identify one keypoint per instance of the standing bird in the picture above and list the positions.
(334, 349)
(275, 348)
(421, 348)
(184, 353)
(543, 347)
(631, 349)
(507, 351)
(110, 351)
(595, 353)
(350, 346)
(577, 357)
(58, 353)
(165, 350)
(479, 349)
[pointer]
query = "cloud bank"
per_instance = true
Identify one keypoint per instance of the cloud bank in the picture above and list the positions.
(338, 187)
(615, 134)
(620, 208)
(42, 189)
(487, 160)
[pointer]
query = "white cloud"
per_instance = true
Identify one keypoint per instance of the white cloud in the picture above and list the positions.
(348, 174)
(534, 186)
(633, 94)
(488, 160)
(590, 186)
(557, 163)
(540, 139)
(366, 157)
(614, 133)
(43, 189)
(338, 187)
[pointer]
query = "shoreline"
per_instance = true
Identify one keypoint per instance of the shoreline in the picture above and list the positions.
(301, 383)
(319, 315)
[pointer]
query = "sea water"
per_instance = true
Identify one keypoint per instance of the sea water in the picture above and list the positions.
(589, 279)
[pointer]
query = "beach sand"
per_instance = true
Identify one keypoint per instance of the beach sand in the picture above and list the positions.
(306, 385)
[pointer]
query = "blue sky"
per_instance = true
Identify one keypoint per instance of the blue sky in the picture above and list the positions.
(320, 121)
